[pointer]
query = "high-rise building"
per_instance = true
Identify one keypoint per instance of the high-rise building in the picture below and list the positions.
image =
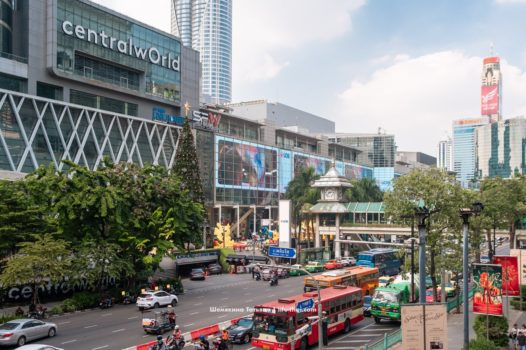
(445, 155)
(464, 149)
(491, 89)
(501, 148)
(206, 26)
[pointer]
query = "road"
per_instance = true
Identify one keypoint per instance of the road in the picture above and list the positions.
(120, 326)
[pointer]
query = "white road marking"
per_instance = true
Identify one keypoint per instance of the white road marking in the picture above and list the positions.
(249, 300)
(118, 330)
(194, 313)
(100, 347)
(252, 348)
(379, 329)
(106, 315)
(221, 316)
(145, 336)
(68, 342)
(65, 322)
(198, 304)
(224, 298)
(133, 317)
(93, 325)
(271, 295)
(188, 325)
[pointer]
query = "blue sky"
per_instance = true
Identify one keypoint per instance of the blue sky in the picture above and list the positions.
(408, 66)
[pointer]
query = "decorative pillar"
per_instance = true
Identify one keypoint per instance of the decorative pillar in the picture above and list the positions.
(346, 246)
(317, 241)
(337, 244)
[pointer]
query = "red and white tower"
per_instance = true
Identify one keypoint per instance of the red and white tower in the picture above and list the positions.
(491, 94)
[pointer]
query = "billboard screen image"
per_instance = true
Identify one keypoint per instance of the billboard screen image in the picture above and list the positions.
(320, 165)
(245, 165)
(490, 100)
(488, 289)
(510, 274)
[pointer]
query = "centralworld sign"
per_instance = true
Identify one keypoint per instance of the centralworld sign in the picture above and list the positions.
(125, 47)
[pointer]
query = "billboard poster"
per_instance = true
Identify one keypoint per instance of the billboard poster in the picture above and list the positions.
(521, 257)
(431, 329)
(510, 274)
(284, 223)
(285, 169)
(301, 161)
(490, 100)
(487, 298)
(245, 165)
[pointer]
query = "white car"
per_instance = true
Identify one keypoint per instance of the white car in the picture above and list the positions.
(38, 347)
(155, 299)
(348, 261)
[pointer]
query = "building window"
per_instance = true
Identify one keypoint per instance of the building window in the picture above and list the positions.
(49, 91)
(10, 82)
(108, 73)
(102, 102)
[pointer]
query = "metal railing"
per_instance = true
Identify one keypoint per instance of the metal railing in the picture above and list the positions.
(387, 341)
(10, 56)
(453, 303)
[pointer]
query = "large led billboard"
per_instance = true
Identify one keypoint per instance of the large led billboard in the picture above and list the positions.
(245, 165)
(489, 100)
(303, 161)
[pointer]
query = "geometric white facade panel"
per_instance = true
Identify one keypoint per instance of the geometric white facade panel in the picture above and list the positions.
(35, 131)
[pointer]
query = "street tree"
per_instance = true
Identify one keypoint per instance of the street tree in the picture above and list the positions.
(43, 259)
(364, 190)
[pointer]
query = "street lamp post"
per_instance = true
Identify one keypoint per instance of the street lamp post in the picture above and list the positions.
(254, 235)
(465, 214)
(412, 255)
(320, 305)
(421, 214)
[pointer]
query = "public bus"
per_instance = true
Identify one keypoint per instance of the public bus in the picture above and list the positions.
(280, 325)
(385, 259)
(358, 276)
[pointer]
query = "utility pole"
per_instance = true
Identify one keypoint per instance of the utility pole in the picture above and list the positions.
(422, 213)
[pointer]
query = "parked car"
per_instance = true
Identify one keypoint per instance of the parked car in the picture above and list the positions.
(314, 266)
(266, 274)
(333, 265)
(430, 296)
(197, 274)
(384, 281)
(215, 269)
(38, 347)
(18, 332)
(156, 299)
(296, 270)
(348, 261)
(451, 290)
(241, 331)
(367, 305)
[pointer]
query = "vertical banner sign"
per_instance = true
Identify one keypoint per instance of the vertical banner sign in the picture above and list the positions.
(487, 299)
(490, 100)
(510, 274)
(284, 223)
(429, 332)
(521, 257)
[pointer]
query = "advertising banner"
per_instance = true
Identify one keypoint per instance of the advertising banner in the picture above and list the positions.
(429, 332)
(490, 100)
(521, 257)
(301, 161)
(285, 169)
(284, 223)
(510, 274)
(487, 299)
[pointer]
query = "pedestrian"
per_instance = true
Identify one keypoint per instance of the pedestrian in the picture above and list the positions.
(513, 335)
(521, 341)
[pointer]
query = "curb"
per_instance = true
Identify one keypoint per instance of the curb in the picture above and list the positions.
(188, 337)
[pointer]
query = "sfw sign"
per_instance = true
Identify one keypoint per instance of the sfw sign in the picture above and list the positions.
(125, 47)
(207, 120)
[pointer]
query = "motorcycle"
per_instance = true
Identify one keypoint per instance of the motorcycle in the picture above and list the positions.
(106, 303)
(274, 281)
(258, 276)
(38, 314)
(171, 344)
(128, 299)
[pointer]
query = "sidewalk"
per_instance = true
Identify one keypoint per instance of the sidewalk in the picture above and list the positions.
(11, 310)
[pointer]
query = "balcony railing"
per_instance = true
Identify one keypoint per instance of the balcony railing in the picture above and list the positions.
(10, 56)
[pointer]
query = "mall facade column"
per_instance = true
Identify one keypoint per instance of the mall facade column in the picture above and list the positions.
(331, 206)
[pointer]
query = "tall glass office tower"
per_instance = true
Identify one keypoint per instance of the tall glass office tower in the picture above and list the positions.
(206, 26)
(464, 150)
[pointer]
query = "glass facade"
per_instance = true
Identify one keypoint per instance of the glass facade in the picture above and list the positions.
(464, 154)
(98, 45)
(10, 82)
(34, 132)
(501, 148)
(378, 150)
(6, 24)
(49, 91)
(102, 102)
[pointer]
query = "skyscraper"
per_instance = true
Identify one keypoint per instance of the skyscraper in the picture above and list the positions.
(491, 89)
(445, 155)
(206, 26)
(464, 149)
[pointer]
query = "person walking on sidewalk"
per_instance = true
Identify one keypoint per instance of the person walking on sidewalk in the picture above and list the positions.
(521, 341)
(513, 335)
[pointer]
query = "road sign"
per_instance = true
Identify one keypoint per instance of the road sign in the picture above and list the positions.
(277, 252)
(307, 304)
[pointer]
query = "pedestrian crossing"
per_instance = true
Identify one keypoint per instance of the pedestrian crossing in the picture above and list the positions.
(356, 340)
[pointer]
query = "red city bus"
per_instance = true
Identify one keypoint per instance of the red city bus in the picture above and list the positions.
(277, 324)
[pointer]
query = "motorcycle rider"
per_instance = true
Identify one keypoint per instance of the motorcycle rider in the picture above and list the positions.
(225, 337)
(205, 345)
(176, 340)
(159, 345)
(274, 278)
(171, 316)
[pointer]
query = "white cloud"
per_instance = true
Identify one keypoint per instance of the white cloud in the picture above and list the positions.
(505, 2)
(262, 29)
(417, 98)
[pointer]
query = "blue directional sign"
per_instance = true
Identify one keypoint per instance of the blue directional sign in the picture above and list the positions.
(277, 252)
(307, 304)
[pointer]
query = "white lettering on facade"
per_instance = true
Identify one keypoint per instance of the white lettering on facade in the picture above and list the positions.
(151, 54)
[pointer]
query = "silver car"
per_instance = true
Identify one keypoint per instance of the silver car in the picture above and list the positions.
(18, 332)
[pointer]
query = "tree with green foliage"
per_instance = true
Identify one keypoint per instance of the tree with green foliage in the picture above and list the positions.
(42, 260)
(482, 344)
(302, 196)
(443, 196)
(493, 328)
(364, 190)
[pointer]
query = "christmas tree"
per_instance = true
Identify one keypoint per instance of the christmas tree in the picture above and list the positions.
(187, 165)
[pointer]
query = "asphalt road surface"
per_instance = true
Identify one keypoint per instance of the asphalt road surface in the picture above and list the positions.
(120, 327)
